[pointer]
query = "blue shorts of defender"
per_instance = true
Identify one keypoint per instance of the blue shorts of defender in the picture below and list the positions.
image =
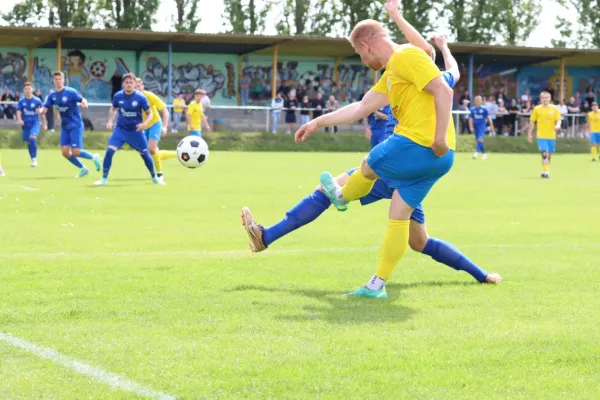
(154, 132)
(72, 136)
(595, 138)
(27, 131)
(136, 140)
(195, 133)
(547, 145)
(380, 191)
(408, 167)
(377, 137)
(479, 135)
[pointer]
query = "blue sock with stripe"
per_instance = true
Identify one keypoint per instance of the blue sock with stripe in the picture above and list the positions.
(86, 154)
(445, 253)
(75, 161)
(107, 163)
(32, 147)
(306, 211)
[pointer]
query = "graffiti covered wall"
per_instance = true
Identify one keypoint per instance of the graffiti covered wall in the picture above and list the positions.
(577, 80)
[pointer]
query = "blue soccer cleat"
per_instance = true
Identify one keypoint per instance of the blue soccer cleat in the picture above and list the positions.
(96, 159)
(330, 187)
(82, 172)
(371, 294)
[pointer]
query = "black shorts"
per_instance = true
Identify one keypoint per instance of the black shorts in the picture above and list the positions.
(290, 118)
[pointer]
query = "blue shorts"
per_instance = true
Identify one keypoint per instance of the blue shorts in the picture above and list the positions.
(154, 132)
(595, 138)
(195, 133)
(377, 137)
(136, 140)
(72, 137)
(380, 191)
(479, 134)
(547, 145)
(408, 167)
(32, 130)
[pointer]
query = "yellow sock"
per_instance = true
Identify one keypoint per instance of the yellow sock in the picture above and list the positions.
(157, 162)
(546, 168)
(395, 243)
(594, 152)
(167, 154)
(357, 186)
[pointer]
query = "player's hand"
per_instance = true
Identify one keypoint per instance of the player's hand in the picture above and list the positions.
(440, 40)
(39, 111)
(109, 126)
(208, 128)
(141, 127)
(530, 138)
(391, 6)
(440, 148)
(368, 133)
(44, 128)
(84, 104)
(306, 130)
(163, 131)
(21, 122)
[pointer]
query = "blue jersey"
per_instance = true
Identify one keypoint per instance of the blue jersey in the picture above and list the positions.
(480, 116)
(28, 109)
(67, 103)
(377, 125)
(130, 109)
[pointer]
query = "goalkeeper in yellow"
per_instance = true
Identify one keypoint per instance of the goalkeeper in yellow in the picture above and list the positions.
(157, 128)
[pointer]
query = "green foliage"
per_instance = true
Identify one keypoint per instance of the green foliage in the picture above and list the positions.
(516, 19)
(584, 31)
(53, 13)
(418, 13)
(308, 17)
(245, 16)
(472, 20)
(128, 14)
(187, 19)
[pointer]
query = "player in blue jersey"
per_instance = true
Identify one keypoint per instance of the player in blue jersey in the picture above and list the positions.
(67, 101)
(477, 122)
(28, 117)
(130, 127)
(315, 204)
(375, 125)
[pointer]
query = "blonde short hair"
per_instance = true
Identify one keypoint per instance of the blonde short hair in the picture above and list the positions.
(365, 31)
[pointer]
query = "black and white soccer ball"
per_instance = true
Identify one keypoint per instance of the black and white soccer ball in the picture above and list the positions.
(192, 152)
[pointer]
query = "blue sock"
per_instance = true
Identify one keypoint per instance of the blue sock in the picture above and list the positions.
(86, 154)
(482, 147)
(107, 163)
(148, 161)
(75, 161)
(478, 147)
(306, 211)
(32, 146)
(445, 253)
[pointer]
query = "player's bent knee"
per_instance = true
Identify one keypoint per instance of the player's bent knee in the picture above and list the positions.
(545, 155)
(418, 236)
(366, 170)
(66, 153)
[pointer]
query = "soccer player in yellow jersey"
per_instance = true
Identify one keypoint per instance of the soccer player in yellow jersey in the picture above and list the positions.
(196, 117)
(548, 119)
(413, 159)
(157, 127)
(594, 129)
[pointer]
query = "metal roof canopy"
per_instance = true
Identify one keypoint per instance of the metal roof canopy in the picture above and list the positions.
(111, 39)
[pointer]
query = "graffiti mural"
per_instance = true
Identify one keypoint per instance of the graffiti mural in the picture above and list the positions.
(577, 80)
(487, 80)
(13, 70)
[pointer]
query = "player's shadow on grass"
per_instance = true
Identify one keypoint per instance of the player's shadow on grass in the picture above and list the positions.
(338, 308)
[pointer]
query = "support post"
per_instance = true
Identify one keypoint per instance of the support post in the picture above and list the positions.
(58, 53)
(30, 65)
(138, 56)
(239, 79)
(336, 71)
(274, 74)
(471, 72)
(561, 83)
(170, 75)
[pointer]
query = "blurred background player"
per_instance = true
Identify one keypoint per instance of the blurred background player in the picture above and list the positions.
(195, 115)
(375, 125)
(67, 101)
(178, 108)
(157, 127)
(477, 120)
(135, 114)
(28, 117)
(548, 120)
(594, 130)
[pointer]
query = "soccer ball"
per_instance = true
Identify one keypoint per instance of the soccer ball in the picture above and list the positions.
(192, 152)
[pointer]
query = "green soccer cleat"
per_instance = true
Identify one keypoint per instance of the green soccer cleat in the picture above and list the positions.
(366, 292)
(82, 172)
(101, 182)
(96, 159)
(330, 186)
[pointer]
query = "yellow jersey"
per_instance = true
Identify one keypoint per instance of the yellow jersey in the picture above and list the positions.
(594, 120)
(156, 104)
(196, 112)
(178, 105)
(407, 72)
(546, 118)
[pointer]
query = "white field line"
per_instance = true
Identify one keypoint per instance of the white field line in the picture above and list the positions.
(109, 378)
(242, 253)
(26, 188)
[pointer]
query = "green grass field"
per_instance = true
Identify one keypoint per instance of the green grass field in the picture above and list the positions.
(156, 284)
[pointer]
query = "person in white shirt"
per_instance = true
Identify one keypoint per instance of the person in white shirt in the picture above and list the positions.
(276, 107)
(564, 110)
(205, 100)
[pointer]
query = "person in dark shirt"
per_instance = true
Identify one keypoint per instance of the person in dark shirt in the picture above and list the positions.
(511, 117)
(305, 113)
(116, 83)
(319, 105)
(9, 109)
(290, 114)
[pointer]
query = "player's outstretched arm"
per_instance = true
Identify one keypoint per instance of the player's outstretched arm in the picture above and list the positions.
(111, 118)
(19, 118)
(442, 98)
(491, 123)
(450, 63)
(410, 33)
(471, 128)
(149, 116)
(205, 122)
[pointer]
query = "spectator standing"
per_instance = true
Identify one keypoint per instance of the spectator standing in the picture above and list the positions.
(465, 96)
(116, 83)
(585, 109)
(276, 107)
(572, 108)
(178, 107)
(464, 117)
(305, 113)
(290, 114)
(9, 109)
(590, 97)
(501, 115)
(206, 104)
(492, 108)
(525, 97)
(332, 105)
(511, 118)
(319, 105)
(564, 110)
(245, 82)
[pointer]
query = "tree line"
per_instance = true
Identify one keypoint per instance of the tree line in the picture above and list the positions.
(476, 21)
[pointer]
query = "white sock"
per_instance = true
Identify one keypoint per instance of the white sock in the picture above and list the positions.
(340, 196)
(376, 283)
